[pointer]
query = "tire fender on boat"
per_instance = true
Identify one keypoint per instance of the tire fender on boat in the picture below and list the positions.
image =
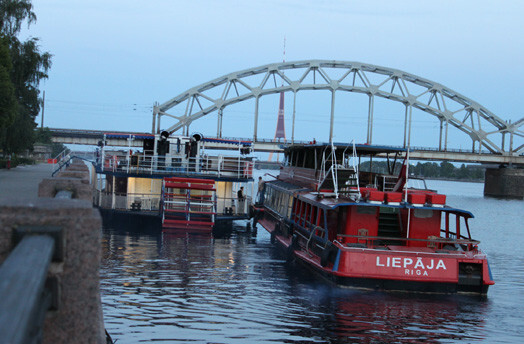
(292, 247)
(328, 254)
(278, 228)
(294, 241)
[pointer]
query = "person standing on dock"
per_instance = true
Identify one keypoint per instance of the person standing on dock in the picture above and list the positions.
(241, 200)
(162, 149)
(260, 191)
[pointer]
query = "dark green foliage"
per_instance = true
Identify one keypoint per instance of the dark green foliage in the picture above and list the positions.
(12, 15)
(15, 161)
(27, 66)
(43, 136)
(8, 103)
(381, 167)
(447, 170)
(444, 170)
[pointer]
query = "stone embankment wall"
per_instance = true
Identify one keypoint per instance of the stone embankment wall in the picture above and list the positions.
(78, 318)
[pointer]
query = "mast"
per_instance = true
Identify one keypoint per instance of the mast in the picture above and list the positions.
(406, 192)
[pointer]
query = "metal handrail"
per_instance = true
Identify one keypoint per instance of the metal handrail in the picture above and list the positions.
(104, 200)
(231, 166)
(66, 163)
(22, 288)
(438, 241)
(25, 289)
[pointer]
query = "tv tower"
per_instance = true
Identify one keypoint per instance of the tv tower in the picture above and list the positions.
(280, 132)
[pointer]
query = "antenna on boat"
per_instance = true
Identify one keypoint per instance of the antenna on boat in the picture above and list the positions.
(355, 167)
(406, 193)
(334, 173)
(407, 177)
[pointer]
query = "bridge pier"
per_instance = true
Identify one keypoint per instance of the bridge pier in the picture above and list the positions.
(504, 183)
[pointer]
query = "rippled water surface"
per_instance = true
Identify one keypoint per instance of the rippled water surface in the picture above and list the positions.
(196, 289)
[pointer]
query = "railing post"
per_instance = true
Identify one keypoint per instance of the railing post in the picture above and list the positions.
(113, 193)
(79, 315)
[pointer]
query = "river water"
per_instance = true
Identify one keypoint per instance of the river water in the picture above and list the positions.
(196, 289)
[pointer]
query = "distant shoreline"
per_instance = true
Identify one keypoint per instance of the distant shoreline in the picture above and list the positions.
(452, 179)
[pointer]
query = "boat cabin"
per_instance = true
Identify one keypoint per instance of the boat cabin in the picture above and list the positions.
(132, 179)
(322, 191)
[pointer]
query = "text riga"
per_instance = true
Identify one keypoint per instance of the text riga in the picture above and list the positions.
(398, 262)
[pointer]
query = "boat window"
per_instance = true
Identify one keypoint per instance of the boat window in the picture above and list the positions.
(307, 214)
(296, 210)
(283, 206)
(341, 228)
(281, 203)
(310, 160)
(332, 219)
(304, 159)
(314, 214)
(320, 220)
(366, 210)
(423, 213)
(278, 196)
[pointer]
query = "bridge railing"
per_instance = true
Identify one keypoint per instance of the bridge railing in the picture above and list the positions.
(451, 150)
(219, 166)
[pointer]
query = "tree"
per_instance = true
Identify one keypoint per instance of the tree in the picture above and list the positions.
(8, 103)
(447, 169)
(29, 67)
(463, 172)
(12, 15)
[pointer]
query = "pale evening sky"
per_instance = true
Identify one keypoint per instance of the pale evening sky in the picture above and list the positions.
(114, 59)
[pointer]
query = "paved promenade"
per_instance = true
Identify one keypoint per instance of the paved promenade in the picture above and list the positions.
(22, 182)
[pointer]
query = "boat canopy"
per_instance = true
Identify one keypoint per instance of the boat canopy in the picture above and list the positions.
(331, 203)
(362, 149)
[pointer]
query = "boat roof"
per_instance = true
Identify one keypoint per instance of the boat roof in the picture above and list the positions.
(284, 186)
(328, 203)
(361, 148)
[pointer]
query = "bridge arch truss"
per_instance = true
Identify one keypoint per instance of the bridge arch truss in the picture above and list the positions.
(486, 130)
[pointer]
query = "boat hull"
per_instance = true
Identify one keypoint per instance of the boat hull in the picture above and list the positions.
(389, 269)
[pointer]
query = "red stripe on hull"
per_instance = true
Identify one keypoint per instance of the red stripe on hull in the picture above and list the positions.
(353, 266)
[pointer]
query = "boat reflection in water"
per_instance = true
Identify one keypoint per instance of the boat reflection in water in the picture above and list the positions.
(372, 317)
(240, 289)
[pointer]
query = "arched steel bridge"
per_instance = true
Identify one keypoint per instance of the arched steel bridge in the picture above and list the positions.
(484, 128)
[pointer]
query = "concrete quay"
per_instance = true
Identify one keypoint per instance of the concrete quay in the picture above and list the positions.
(22, 182)
(27, 198)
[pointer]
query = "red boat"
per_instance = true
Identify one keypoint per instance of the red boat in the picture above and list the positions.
(370, 230)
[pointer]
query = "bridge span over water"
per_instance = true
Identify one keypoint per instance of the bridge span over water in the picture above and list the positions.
(93, 137)
(453, 111)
